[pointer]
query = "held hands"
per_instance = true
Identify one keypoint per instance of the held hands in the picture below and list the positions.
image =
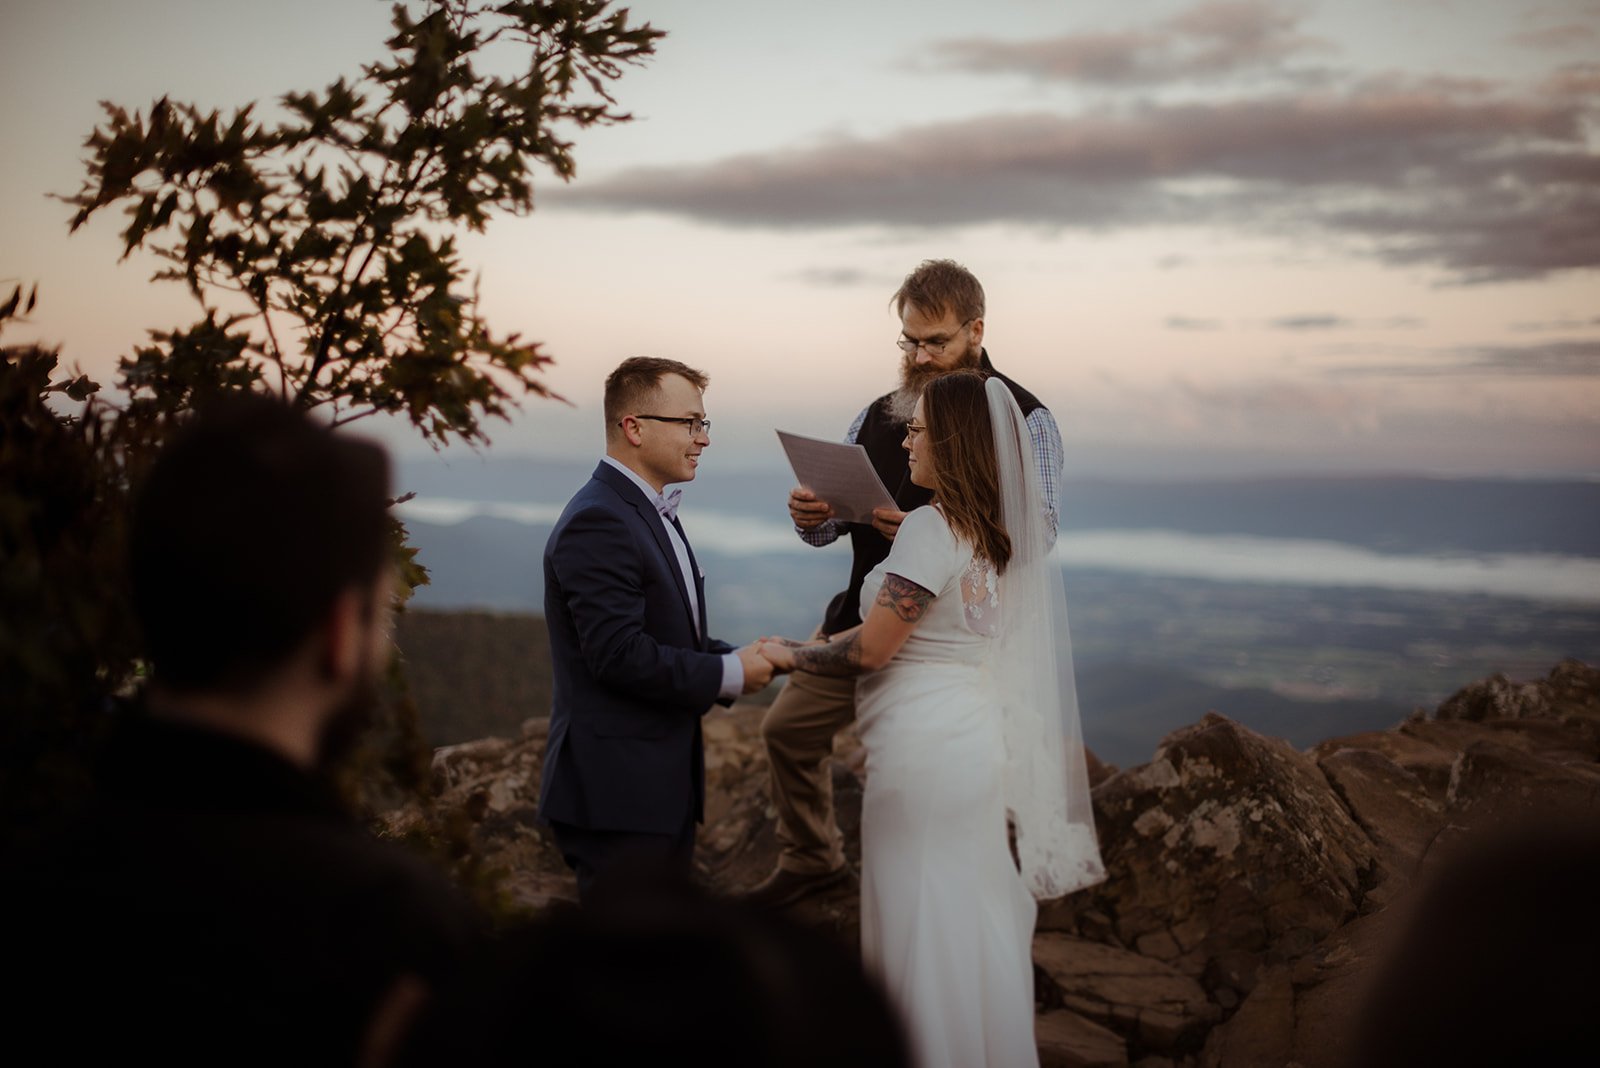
(780, 651)
(757, 668)
(780, 656)
(806, 511)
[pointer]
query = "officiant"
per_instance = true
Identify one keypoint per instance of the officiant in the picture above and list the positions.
(941, 308)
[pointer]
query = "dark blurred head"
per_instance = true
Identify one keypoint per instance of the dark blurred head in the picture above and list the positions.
(251, 522)
(658, 973)
(1496, 965)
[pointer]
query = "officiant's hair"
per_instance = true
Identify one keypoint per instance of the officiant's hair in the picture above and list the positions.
(939, 286)
(251, 522)
(960, 437)
(637, 381)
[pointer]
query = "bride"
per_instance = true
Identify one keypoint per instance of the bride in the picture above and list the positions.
(969, 717)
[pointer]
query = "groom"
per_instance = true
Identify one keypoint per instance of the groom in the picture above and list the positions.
(624, 773)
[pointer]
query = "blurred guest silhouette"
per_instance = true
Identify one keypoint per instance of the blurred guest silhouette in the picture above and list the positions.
(652, 971)
(1497, 961)
(219, 904)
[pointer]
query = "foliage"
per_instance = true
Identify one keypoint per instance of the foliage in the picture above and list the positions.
(320, 245)
(67, 643)
(475, 674)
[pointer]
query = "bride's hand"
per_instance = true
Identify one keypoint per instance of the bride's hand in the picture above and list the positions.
(779, 652)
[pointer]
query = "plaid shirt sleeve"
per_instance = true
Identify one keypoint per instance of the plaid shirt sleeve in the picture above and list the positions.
(1049, 455)
(828, 532)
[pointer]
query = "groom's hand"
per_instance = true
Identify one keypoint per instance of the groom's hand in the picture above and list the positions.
(780, 652)
(757, 668)
(806, 511)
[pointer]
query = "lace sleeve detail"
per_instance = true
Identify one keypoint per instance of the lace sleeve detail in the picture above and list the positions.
(980, 597)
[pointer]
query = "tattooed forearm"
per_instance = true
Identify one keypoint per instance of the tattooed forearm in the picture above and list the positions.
(840, 657)
(907, 600)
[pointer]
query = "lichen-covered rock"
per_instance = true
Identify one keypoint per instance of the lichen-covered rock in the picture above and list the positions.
(1301, 1013)
(1153, 1005)
(1493, 783)
(1261, 1033)
(1391, 805)
(1572, 689)
(1429, 758)
(1228, 852)
(1243, 877)
(1067, 1040)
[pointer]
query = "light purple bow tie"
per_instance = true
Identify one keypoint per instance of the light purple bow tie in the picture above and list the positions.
(667, 504)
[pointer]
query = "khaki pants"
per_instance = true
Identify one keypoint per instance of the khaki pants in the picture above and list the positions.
(799, 730)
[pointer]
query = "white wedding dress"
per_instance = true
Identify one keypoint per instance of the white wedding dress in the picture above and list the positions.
(946, 920)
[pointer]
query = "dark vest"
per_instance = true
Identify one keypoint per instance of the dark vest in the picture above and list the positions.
(883, 436)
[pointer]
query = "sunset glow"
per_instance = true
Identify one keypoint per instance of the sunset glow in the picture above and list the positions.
(1217, 238)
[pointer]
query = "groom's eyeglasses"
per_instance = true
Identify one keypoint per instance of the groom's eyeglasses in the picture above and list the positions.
(695, 425)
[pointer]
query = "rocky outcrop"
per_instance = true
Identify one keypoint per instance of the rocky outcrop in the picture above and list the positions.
(1494, 753)
(1252, 889)
(1227, 853)
(1157, 1007)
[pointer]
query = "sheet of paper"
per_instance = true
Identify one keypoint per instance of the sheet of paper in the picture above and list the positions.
(837, 473)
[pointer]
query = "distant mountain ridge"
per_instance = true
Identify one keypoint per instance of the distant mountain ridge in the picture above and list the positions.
(1393, 514)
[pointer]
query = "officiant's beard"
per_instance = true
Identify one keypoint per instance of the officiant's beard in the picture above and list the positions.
(914, 378)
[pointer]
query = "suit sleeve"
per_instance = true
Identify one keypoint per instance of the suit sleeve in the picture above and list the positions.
(598, 564)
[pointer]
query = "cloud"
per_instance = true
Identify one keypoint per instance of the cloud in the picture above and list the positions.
(1448, 173)
(1206, 41)
(1309, 322)
(1180, 322)
(1266, 402)
(1548, 325)
(1551, 38)
(1556, 359)
(835, 277)
(1576, 80)
(1341, 322)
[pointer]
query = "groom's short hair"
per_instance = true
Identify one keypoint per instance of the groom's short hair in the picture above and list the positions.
(636, 382)
(251, 522)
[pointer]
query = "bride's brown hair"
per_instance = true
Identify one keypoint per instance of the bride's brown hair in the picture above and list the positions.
(955, 408)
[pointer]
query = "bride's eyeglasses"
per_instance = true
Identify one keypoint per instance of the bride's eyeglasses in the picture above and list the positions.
(913, 429)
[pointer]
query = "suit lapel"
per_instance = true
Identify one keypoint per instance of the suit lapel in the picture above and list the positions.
(699, 579)
(652, 519)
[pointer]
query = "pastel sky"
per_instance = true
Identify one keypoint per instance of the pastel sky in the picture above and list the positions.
(1217, 238)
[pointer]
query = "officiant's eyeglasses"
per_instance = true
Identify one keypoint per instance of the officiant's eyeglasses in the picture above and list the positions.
(935, 346)
(695, 425)
(913, 429)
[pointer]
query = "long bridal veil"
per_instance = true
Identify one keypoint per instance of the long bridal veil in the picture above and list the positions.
(1047, 776)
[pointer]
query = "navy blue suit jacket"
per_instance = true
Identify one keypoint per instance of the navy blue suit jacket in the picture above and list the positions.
(633, 674)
